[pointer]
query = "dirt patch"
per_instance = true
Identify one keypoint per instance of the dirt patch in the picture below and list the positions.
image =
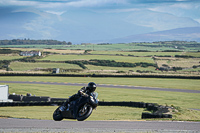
(64, 51)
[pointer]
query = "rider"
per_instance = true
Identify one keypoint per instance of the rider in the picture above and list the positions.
(84, 91)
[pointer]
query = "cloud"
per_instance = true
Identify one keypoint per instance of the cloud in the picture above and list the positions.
(33, 10)
(60, 3)
(185, 10)
(17, 35)
(42, 28)
(91, 3)
(18, 3)
(198, 20)
(183, 6)
(160, 21)
(161, 1)
(56, 12)
(119, 10)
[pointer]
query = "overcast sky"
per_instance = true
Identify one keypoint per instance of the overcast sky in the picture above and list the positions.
(87, 20)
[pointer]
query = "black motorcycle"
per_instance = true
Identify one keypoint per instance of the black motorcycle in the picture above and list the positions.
(79, 109)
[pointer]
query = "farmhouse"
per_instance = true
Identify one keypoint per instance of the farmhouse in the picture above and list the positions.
(31, 53)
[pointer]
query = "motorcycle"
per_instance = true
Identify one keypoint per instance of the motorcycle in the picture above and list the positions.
(79, 109)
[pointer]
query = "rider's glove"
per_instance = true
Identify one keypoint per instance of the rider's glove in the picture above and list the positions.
(83, 94)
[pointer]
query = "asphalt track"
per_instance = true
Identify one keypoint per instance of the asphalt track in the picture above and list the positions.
(106, 86)
(32, 125)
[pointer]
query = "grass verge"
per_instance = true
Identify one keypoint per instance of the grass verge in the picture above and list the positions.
(189, 84)
(46, 113)
(183, 100)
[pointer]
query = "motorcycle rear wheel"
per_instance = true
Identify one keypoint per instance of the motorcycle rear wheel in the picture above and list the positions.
(57, 116)
(84, 112)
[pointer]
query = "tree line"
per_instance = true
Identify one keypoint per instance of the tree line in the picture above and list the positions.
(33, 42)
(9, 51)
(109, 63)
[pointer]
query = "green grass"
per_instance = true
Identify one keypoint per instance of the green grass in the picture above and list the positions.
(24, 66)
(183, 100)
(178, 62)
(113, 55)
(189, 84)
(10, 57)
(136, 53)
(126, 69)
(111, 94)
(127, 47)
(195, 54)
(114, 47)
(99, 57)
(131, 47)
(46, 112)
(57, 91)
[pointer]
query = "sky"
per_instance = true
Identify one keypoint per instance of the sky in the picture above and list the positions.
(84, 21)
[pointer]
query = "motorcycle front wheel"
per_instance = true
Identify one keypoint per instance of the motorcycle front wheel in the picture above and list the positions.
(57, 116)
(84, 112)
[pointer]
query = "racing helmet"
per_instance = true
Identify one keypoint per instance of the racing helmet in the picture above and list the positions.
(91, 86)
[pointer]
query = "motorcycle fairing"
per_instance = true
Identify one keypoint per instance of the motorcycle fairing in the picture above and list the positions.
(74, 106)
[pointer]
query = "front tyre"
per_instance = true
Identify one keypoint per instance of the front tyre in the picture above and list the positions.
(84, 112)
(57, 116)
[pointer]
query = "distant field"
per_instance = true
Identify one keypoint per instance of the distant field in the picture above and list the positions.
(64, 51)
(10, 57)
(195, 54)
(24, 66)
(138, 53)
(99, 57)
(92, 67)
(117, 47)
(178, 62)
(131, 47)
(33, 46)
(118, 53)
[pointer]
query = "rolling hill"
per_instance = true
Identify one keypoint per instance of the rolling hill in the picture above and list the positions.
(181, 34)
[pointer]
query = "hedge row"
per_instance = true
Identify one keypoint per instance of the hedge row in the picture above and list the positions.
(95, 75)
(35, 103)
(21, 98)
(152, 115)
(110, 63)
(127, 104)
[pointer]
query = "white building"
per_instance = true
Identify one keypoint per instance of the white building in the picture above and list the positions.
(31, 53)
(56, 70)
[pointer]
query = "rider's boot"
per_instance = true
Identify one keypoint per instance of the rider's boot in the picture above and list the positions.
(65, 104)
(68, 107)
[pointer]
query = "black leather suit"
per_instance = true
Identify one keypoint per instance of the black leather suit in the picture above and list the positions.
(82, 92)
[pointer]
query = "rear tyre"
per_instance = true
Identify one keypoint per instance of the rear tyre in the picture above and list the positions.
(84, 112)
(57, 116)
